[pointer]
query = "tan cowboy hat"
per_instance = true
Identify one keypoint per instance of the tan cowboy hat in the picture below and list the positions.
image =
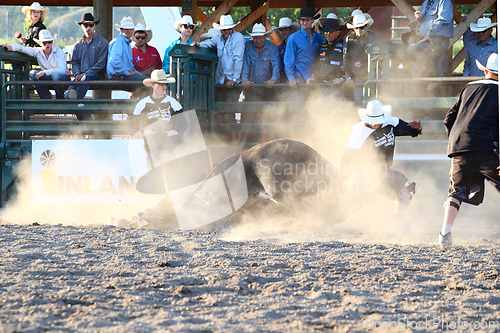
(360, 20)
(482, 24)
(491, 65)
(375, 113)
(158, 76)
(147, 31)
(186, 19)
(286, 22)
(259, 30)
(34, 6)
(44, 36)
(126, 23)
(226, 22)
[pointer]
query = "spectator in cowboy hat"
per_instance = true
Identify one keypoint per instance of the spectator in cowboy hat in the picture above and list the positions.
(286, 28)
(302, 48)
(370, 152)
(185, 27)
(481, 48)
(261, 61)
(146, 57)
(355, 58)
(472, 128)
(435, 21)
(328, 66)
(120, 64)
(89, 58)
(230, 47)
(52, 61)
(34, 16)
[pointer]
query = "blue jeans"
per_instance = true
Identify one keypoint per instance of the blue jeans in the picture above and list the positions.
(43, 91)
(81, 91)
(427, 57)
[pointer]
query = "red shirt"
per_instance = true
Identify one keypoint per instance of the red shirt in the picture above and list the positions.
(143, 61)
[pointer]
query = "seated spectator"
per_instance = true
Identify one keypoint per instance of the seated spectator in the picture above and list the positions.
(89, 57)
(481, 48)
(120, 64)
(286, 28)
(146, 57)
(328, 66)
(51, 60)
(34, 16)
(185, 27)
(261, 62)
(302, 48)
(355, 58)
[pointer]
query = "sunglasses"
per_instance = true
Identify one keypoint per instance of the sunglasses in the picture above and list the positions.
(141, 37)
(362, 28)
(47, 43)
(188, 26)
(88, 25)
(482, 32)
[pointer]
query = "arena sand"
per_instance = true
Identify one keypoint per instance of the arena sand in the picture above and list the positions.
(342, 279)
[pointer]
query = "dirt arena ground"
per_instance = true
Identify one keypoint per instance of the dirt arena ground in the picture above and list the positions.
(108, 279)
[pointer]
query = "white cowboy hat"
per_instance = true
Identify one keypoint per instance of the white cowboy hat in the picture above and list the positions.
(126, 23)
(142, 27)
(158, 76)
(285, 22)
(209, 34)
(482, 24)
(186, 19)
(34, 6)
(226, 22)
(259, 30)
(331, 16)
(44, 36)
(360, 20)
(491, 65)
(375, 113)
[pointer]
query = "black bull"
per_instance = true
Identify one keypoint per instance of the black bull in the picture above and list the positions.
(285, 178)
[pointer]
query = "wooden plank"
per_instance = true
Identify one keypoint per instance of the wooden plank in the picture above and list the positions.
(221, 10)
(458, 59)
(457, 17)
(200, 15)
(250, 18)
(274, 36)
(406, 8)
(476, 13)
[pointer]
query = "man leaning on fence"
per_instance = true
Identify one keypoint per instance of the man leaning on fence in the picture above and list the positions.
(51, 60)
(261, 64)
(89, 58)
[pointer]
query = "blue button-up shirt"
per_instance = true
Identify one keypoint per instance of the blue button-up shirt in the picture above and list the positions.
(300, 54)
(474, 50)
(166, 59)
(120, 57)
(262, 67)
(436, 19)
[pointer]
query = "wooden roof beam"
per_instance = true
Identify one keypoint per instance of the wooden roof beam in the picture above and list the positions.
(250, 18)
(274, 36)
(221, 10)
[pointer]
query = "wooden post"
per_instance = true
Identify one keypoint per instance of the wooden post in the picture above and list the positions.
(103, 10)
(190, 7)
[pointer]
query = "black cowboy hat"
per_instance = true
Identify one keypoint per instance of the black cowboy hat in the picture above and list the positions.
(332, 25)
(308, 12)
(87, 18)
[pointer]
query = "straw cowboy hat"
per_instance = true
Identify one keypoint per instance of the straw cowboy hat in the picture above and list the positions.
(331, 16)
(350, 19)
(34, 6)
(332, 25)
(285, 22)
(360, 20)
(259, 30)
(209, 34)
(491, 65)
(87, 18)
(158, 76)
(186, 19)
(482, 24)
(147, 31)
(226, 22)
(126, 23)
(44, 36)
(375, 113)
